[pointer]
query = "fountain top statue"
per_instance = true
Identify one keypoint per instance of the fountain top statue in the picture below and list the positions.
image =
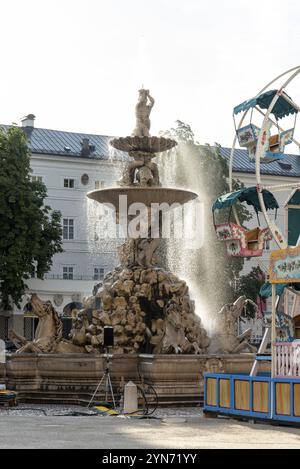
(140, 140)
(142, 113)
(140, 180)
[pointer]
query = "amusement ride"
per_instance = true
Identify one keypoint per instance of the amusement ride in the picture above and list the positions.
(263, 132)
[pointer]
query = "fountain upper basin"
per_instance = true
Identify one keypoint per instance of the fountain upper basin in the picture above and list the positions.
(144, 195)
(150, 145)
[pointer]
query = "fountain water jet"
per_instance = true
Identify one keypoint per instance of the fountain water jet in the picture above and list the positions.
(186, 165)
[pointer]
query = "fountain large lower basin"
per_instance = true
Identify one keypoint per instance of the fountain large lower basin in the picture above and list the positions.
(72, 378)
(145, 195)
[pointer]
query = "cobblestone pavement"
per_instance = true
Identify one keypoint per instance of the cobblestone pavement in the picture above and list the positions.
(53, 426)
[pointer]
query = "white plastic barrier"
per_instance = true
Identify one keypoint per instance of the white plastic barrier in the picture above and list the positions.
(287, 358)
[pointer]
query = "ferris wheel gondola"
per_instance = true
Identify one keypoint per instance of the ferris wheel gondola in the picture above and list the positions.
(241, 242)
(273, 145)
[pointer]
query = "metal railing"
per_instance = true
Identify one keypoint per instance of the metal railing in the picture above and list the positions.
(74, 277)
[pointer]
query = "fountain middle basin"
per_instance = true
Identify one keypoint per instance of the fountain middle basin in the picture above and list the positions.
(144, 195)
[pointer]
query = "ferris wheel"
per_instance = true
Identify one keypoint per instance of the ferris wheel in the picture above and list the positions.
(265, 143)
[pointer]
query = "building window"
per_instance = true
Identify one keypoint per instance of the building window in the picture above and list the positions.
(37, 178)
(68, 228)
(69, 183)
(99, 184)
(3, 328)
(68, 272)
(98, 273)
(67, 326)
(30, 325)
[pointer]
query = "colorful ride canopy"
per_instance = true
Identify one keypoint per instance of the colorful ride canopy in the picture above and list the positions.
(248, 195)
(281, 108)
(266, 289)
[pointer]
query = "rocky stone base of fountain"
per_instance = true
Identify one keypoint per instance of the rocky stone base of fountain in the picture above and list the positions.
(150, 310)
(72, 378)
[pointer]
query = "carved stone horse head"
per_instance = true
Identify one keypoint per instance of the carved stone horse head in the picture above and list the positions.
(38, 307)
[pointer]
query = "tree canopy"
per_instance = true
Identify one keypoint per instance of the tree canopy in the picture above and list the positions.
(250, 285)
(30, 230)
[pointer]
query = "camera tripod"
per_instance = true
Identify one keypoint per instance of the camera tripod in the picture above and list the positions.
(107, 380)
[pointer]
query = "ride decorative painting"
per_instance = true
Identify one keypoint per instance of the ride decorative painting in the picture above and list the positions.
(285, 265)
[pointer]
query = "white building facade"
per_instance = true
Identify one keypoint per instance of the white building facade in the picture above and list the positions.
(74, 271)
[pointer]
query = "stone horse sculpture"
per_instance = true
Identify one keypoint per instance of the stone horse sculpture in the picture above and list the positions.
(173, 333)
(229, 341)
(48, 334)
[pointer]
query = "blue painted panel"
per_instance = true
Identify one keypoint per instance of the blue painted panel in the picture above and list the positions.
(263, 359)
(252, 414)
(231, 410)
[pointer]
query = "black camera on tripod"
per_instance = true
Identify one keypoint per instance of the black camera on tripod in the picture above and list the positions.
(108, 341)
(108, 336)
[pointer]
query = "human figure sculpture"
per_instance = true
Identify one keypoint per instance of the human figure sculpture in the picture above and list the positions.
(145, 249)
(141, 171)
(142, 114)
(139, 252)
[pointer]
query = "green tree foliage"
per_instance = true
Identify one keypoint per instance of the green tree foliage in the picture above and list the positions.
(250, 285)
(203, 169)
(30, 231)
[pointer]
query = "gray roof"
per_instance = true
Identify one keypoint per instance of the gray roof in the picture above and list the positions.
(289, 166)
(59, 142)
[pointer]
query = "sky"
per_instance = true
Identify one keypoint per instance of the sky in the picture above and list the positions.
(77, 65)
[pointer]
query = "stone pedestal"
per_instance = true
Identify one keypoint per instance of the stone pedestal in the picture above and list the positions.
(130, 398)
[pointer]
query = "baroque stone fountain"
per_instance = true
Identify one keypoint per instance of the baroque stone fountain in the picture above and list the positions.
(150, 308)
